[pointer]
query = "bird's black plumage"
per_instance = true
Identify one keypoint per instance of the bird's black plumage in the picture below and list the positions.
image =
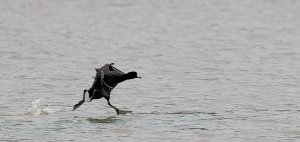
(106, 79)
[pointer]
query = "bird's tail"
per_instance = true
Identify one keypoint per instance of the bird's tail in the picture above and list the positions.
(80, 102)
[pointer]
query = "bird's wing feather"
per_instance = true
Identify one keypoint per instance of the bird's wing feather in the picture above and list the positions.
(105, 92)
(116, 70)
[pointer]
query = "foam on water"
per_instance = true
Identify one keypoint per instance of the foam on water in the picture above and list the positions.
(38, 107)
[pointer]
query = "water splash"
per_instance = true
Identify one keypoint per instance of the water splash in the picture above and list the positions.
(38, 107)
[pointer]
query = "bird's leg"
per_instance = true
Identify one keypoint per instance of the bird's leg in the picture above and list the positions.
(80, 102)
(83, 96)
(117, 110)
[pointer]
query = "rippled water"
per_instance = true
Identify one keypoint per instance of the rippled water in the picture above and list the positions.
(211, 70)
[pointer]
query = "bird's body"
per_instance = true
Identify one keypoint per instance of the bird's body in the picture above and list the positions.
(106, 79)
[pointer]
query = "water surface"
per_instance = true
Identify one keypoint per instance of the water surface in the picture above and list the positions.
(211, 70)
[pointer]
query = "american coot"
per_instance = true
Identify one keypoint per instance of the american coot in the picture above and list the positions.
(106, 79)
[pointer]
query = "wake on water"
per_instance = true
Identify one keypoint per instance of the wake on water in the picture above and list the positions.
(38, 107)
(42, 106)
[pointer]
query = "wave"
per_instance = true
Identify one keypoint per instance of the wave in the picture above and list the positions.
(38, 107)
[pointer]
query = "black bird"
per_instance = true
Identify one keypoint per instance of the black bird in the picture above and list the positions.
(106, 79)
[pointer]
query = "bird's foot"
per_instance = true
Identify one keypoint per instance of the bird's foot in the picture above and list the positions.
(122, 111)
(78, 104)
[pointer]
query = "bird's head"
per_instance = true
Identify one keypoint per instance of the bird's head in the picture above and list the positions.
(132, 75)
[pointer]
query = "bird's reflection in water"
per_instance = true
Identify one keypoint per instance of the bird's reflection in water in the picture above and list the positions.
(110, 119)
